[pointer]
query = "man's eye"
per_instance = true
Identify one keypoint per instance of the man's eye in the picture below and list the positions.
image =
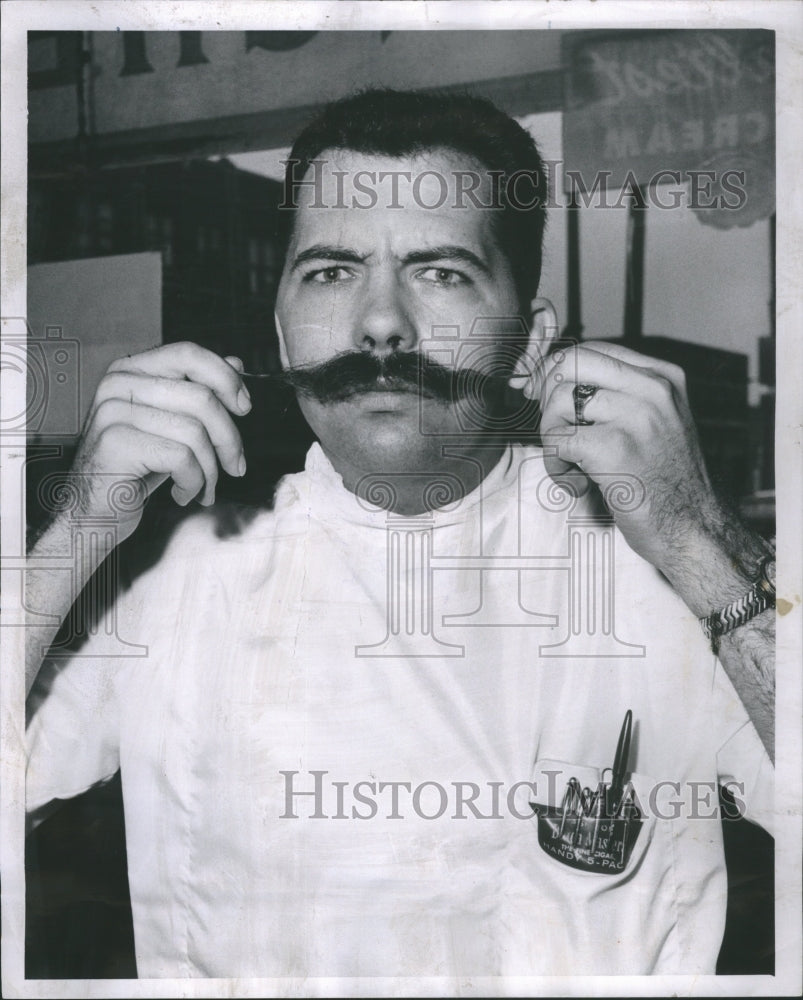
(328, 275)
(443, 276)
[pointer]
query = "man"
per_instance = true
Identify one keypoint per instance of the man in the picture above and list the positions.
(378, 732)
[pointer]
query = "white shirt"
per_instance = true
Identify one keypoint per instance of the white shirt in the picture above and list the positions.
(263, 658)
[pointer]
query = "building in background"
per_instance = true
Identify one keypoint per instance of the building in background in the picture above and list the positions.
(214, 224)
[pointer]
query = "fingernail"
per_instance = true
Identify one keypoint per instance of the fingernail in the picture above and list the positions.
(241, 465)
(244, 400)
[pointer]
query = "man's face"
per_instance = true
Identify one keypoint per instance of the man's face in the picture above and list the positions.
(382, 280)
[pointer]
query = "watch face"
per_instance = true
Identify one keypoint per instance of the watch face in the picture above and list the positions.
(766, 581)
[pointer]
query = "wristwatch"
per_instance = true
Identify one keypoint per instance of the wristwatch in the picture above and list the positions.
(757, 599)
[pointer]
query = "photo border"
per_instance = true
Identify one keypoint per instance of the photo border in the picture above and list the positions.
(19, 16)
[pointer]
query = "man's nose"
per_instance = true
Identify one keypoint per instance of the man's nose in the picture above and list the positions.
(384, 323)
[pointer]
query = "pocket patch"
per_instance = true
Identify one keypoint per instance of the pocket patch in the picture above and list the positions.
(594, 831)
(588, 831)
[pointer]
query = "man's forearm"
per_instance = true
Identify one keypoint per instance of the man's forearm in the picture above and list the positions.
(718, 569)
(60, 564)
(748, 656)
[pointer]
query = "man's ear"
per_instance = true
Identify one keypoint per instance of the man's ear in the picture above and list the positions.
(543, 330)
(282, 346)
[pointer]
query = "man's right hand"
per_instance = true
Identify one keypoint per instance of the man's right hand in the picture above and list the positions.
(163, 414)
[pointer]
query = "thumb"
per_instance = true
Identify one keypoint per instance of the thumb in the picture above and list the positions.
(569, 477)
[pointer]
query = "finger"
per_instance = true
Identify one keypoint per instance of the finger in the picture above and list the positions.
(668, 369)
(171, 396)
(581, 365)
(605, 406)
(597, 450)
(570, 477)
(556, 455)
(236, 363)
(157, 456)
(581, 452)
(191, 361)
(176, 426)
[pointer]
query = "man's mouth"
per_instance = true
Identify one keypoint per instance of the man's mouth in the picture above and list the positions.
(383, 384)
(392, 387)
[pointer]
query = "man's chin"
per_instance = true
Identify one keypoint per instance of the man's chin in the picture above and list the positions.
(392, 427)
(384, 432)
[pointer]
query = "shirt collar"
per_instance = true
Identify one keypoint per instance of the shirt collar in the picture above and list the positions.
(320, 489)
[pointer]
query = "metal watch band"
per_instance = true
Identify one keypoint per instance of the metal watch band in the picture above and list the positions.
(760, 597)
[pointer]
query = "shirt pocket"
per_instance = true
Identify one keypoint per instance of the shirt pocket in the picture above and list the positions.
(576, 838)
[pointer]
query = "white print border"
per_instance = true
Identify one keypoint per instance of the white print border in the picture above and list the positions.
(20, 16)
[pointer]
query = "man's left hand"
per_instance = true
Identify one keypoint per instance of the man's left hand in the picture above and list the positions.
(640, 426)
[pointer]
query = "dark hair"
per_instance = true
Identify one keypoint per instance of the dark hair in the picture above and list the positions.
(402, 123)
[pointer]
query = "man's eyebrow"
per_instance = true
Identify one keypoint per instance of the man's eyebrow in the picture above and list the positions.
(345, 255)
(326, 251)
(450, 252)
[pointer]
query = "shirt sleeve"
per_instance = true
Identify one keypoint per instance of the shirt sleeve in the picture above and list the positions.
(75, 709)
(72, 735)
(70, 739)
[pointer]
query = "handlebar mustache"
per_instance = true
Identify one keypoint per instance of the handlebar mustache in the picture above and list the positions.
(352, 373)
